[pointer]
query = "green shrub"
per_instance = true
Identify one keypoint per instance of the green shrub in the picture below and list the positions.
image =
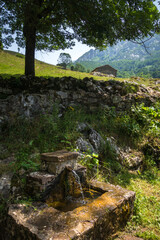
(91, 161)
(148, 118)
(147, 235)
(128, 126)
(25, 161)
(20, 55)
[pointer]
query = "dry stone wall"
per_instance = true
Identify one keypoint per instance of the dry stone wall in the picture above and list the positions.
(28, 97)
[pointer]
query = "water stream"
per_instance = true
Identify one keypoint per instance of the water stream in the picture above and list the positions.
(80, 186)
(66, 192)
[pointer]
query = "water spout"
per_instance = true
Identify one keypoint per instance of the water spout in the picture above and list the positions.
(77, 178)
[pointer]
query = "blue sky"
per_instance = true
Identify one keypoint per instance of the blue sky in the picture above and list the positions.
(51, 57)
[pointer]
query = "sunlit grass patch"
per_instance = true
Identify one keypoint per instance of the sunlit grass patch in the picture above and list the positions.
(146, 208)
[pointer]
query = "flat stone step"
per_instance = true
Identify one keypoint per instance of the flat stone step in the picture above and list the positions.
(41, 177)
(55, 162)
(59, 156)
(37, 182)
(96, 220)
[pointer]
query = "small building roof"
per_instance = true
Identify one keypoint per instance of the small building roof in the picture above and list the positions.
(104, 67)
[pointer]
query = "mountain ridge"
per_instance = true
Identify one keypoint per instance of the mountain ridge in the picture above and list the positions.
(127, 57)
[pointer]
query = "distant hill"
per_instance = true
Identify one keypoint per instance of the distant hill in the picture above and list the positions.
(128, 58)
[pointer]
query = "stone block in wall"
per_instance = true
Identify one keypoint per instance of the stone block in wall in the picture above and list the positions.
(6, 90)
(55, 162)
(92, 100)
(91, 95)
(116, 99)
(5, 185)
(36, 96)
(76, 96)
(62, 95)
(37, 182)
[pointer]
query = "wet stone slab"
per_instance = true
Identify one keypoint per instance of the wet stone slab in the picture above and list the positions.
(96, 220)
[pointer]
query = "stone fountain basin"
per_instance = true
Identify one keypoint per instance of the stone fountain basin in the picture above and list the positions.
(96, 220)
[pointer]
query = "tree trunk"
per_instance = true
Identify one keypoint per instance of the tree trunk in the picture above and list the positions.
(1, 45)
(30, 51)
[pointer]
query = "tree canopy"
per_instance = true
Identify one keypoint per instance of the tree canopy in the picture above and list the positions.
(64, 59)
(54, 24)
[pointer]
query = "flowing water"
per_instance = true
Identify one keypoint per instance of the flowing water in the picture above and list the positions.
(75, 195)
(80, 186)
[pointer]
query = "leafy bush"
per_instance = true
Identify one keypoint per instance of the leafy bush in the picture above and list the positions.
(148, 118)
(25, 161)
(91, 161)
(147, 235)
(128, 126)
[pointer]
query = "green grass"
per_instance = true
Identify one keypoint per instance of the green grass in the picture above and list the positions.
(12, 63)
(146, 218)
(145, 222)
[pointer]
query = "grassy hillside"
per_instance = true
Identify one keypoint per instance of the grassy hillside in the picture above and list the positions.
(12, 63)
